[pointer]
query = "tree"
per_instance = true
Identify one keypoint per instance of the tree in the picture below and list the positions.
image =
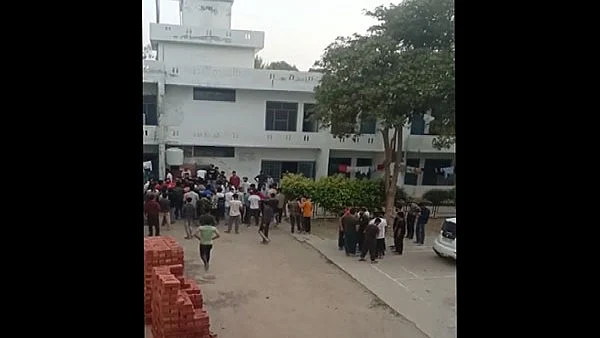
(281, 65)
(259, 63)
(380, 76)
(427, 26)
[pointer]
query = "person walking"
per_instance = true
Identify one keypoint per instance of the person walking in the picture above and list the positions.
(164, 216)
(269, 207)
(399, 232)
(280, 205)
(307, 210)
(422, 220)
(189, 214)
(370, 244)
(228, 198)
(152, 211)
(206, 233)
(235, 214)
(350, 224)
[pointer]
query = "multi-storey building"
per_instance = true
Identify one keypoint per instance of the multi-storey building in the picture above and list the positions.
(203, 95)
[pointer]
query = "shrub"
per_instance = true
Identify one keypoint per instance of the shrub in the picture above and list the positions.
(296, 185)
(436, 196)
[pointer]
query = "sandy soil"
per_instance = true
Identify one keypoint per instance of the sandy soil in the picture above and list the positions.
(285, 289)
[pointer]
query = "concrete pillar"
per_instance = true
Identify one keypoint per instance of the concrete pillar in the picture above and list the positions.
(161, 130)
(353, 162)
(420, 177)
(322, 162)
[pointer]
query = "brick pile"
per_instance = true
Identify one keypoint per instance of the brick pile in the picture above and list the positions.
(158, 251)
(177, 305)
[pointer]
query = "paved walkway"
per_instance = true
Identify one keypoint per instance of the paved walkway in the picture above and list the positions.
(418, 285)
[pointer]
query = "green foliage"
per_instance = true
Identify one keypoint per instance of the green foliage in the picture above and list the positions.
(281, 65)
(452, 194)
(334, 193)
(259, 63)
(436, 196)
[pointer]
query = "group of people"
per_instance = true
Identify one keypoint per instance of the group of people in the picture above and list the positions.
(201, 202)
(359, 231)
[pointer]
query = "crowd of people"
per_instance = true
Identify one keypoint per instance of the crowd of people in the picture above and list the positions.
(360, 233)
(205, 200)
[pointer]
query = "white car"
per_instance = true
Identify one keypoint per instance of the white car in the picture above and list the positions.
(445, 243)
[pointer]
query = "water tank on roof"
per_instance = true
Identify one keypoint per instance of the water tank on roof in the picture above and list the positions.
(174, 156)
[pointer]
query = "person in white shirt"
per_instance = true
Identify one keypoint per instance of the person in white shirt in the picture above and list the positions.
(201, 173)
(186, 171)
(235, 213)
(194, 196)
(169, 175)
(381, 235)
(254, 200)
(228, 198)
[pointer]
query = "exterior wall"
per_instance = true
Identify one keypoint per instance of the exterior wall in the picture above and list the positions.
(191, 35)
(215, 56)
(247, 161)
(215, 14)
(149, 89)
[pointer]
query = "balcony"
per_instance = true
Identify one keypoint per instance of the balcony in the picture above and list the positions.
(153, 71)
(424, 144)
(150, 135)
(271, 139)
(198, 35)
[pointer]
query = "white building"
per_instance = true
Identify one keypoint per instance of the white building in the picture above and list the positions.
(203, 95)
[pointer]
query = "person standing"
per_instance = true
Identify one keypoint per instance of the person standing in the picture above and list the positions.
(363, 221)
(219, 203)
(370, 244)
(399, 232)
(341, 243)
(228, 198)
(206, 233)
(152, 211)
(422, 220)
(189, 214)
(382, 224)
(280, 205)
(294, 214)
(350, 224)
(245, 185)
(411, 219)
(307, 210)
(164, 216)
(254, 211)
(234, 180)
(261, 180)
(178, 200)
(235, 214)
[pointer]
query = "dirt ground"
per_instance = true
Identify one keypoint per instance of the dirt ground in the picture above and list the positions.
(328, 228)
(284, 289)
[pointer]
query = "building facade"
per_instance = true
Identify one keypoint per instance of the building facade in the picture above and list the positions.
(203, 95)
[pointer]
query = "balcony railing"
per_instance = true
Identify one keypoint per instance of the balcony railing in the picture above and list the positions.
(199, 35)
(424, 144)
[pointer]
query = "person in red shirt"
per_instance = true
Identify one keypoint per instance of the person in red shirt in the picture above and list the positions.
(152, 210)
(234, 180)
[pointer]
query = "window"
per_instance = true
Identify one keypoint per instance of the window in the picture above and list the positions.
(417, 126)
(214, 94)
(364, 162)
(334, 165)
(368, 126)
(149, 110)
(207, 151)
(275, 169)
(281, 116)
(309, 124)
(411, 179)
(432, 174)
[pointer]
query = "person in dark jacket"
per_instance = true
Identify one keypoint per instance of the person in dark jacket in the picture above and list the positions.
(152, 210)
(178, 200)
(350, 224)
(363, 221)
(422, 219)
(165, 210)
(370, 244)
(269, 208)
(411, 219)
(399, 232)
(341, 243)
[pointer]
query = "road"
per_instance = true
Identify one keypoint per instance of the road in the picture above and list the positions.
(285, 289)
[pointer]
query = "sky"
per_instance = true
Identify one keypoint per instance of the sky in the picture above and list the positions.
(296, 31)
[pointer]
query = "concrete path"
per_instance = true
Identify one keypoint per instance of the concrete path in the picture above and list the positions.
(284, 290)
(418, 285)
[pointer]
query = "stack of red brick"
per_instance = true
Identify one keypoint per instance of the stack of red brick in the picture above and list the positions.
(177, 305)
(158, 251)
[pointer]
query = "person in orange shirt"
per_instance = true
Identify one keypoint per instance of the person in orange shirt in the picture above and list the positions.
(306, 206)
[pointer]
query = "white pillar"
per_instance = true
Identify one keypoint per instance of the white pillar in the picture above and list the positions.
(420, 177)
(322, 163)
(161, 130)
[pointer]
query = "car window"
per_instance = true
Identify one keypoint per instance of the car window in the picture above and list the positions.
(449, 230)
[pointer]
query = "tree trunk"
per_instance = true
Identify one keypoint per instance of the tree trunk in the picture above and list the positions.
(390, 195)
